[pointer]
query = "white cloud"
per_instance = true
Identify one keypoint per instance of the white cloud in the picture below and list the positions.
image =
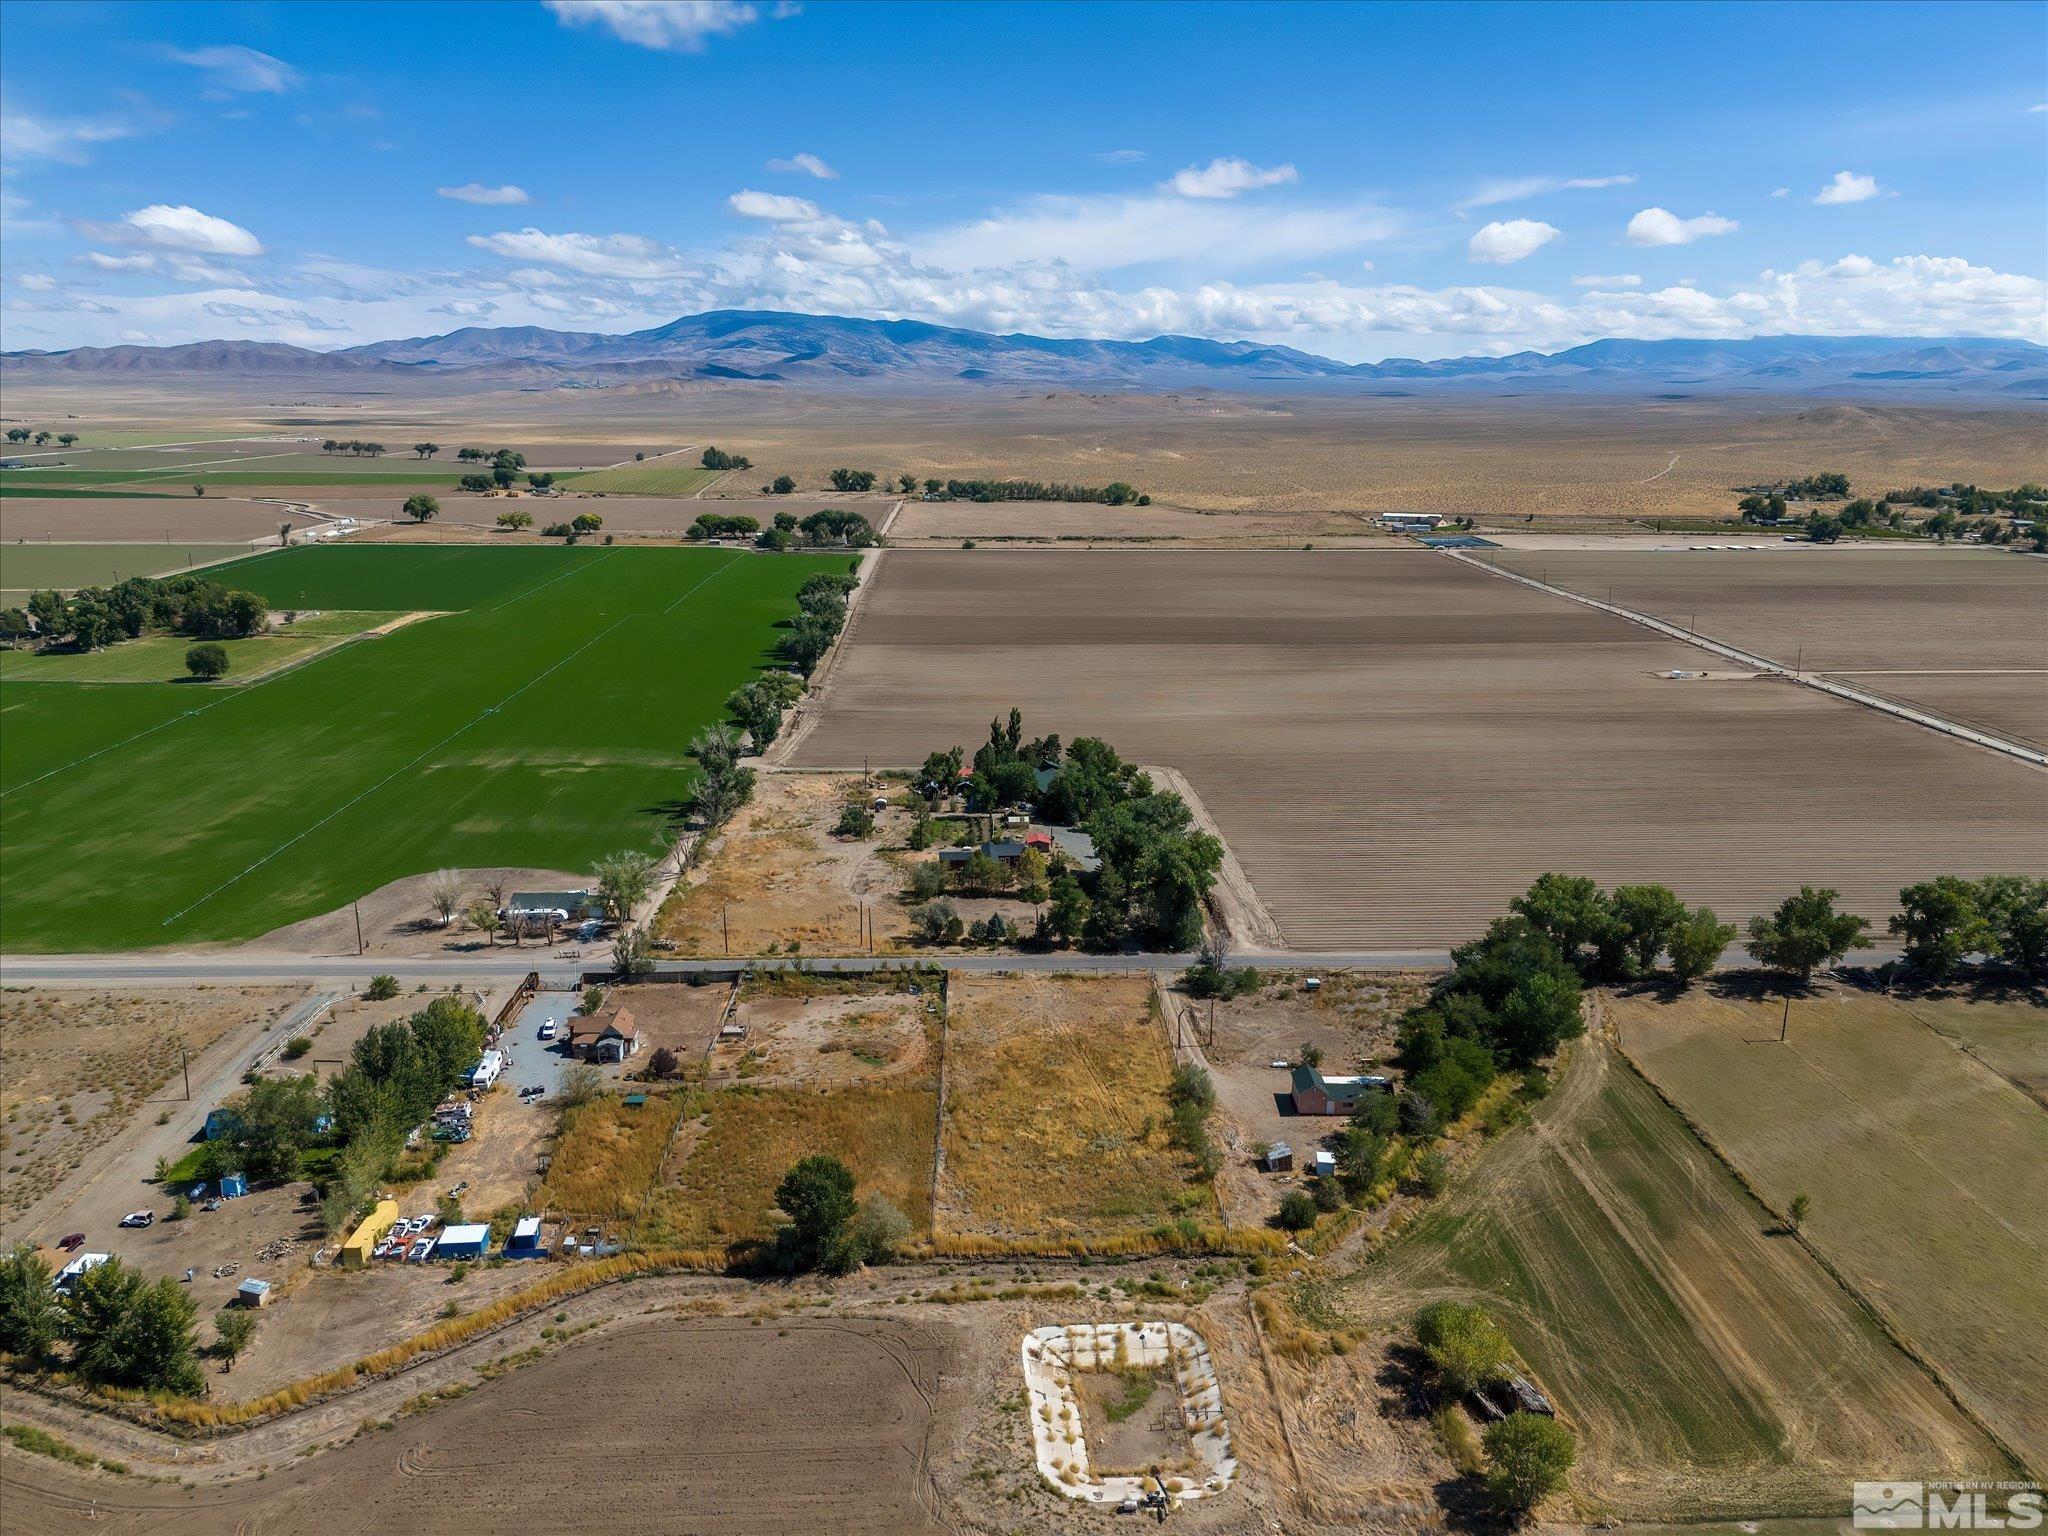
(65, 139)
(36, 282)
(135, 261)
(489, 197)
(466, 309)
(1514, 189)
(774, 206)
(1115, 232)
(1509, 240)
(1119, 156)
(1228, 177)
(177, 227)
(232, 67)
(1848, 187)
(1656, 226)
(1781, 191)
(621, 256)
(806, 162)
(674, 26)
(1618, 280)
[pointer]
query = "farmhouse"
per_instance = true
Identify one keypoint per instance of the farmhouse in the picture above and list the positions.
(607, 1036)
(1410, 522)
(1316, 1094)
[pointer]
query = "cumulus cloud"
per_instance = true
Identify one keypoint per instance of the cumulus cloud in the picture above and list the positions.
(233, 68)
(774, 207)
(673, 26)
(1656, 226)
(1848, 187)
(177, 227)
(622, 256)
(490, 197)
(65, 139)
(465, 309)
(1507, 240)
(806, 163)
(1515, 189)
(36, 282)
(1229, 177)
(1618, 280)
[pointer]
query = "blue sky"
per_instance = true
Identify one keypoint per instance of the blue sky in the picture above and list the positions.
(1361, 181)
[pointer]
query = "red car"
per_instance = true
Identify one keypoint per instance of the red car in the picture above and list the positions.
(75, 1241)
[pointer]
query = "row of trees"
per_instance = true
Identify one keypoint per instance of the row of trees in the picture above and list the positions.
(1954, 512)
(26, 434)
(758, 706)
(718, 458)
(1946, 920)
(1116, 494)
(191, 605)
(355, 447)
(821, 615)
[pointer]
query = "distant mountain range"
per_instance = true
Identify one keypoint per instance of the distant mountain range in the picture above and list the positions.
(765, 347)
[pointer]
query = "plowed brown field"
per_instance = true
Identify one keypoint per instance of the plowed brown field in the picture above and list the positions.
(1962, 632)
(1394, 744)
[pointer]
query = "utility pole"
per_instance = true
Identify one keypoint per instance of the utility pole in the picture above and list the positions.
(185, 1066)
(1785, 1023)
(359, 928)
(725, 926)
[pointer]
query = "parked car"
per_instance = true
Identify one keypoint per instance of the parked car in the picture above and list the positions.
(420, 1249)
(211, 1205)
(139, 1219)
(71, 1242)
(546, 1030)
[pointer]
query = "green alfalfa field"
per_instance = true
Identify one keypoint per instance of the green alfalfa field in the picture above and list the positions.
(541, 720)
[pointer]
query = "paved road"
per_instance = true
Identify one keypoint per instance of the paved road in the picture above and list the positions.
(485, 970)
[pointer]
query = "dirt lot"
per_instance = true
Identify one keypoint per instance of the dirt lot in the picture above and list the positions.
(77, 1068)
(682, 1019)
(697, 1425)
(1922, 1163)
(825, 1042)
(778, 877)
(1350, 1019)
(1056, 1110)
(1394, 744)
(1957, 629)
(397, 919)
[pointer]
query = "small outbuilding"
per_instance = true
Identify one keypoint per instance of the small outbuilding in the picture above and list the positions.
(233, 1185)
(253, 1293)
(1325, 1164)
(524, 1243)
(468, 1241)
(1279, 1158)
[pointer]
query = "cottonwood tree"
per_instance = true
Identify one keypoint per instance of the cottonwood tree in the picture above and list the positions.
(233, 1330)
(1527, 1458)
(1805, 933)
(421, 507)
(1697, 945)
(30, 1318)
(483, 917)
(426, 450)
(1942, 922)
(1464, 1347)
(623, 881)
(817, 1196)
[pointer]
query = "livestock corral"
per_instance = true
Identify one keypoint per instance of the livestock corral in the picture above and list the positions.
(1393, 743)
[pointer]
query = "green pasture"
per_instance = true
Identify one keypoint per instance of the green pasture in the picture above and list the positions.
(542, 721)
(67, 567)
(161, 658)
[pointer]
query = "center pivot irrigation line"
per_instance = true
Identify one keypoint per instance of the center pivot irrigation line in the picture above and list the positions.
(436, 747)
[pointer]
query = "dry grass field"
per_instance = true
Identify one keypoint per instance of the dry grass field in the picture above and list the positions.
(2009, 1035)
(1918, 1159)
(709, 1426)
(1962, 631)
(1068, 522)
(778, 876)
(169, 520)
(608, 1154)
(77, 1067)
(1056, 1110)
(1394, 744)
(1709, 1368)
(1534, 456)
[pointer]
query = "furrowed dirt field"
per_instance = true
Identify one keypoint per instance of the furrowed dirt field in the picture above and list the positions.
(168, 519)
(710, 1428)
(951, 521)
(1394, 744)
(1056, 1110)
(1709, 1368)
(1924, 1166)
(1960, 631)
